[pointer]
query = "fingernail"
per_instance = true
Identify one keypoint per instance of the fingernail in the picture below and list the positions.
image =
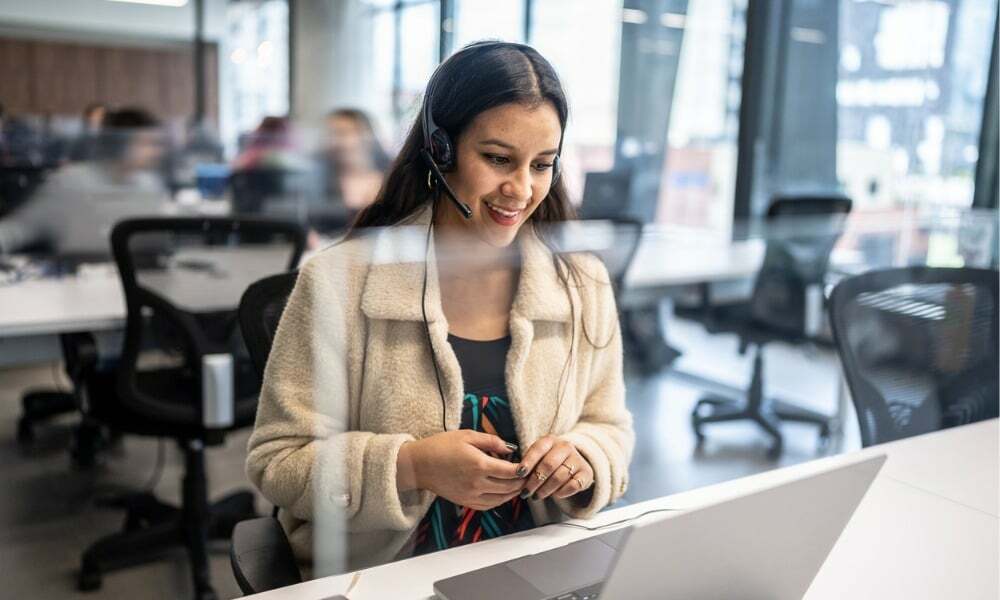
(521, 471)
(524, 494)
(511, 447)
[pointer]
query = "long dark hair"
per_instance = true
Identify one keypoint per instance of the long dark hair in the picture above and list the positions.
(481, 76)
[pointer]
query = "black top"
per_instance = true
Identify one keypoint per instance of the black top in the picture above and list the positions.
(482, 365)
(485, 408)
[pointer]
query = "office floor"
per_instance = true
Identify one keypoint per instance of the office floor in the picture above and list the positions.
(48, 513)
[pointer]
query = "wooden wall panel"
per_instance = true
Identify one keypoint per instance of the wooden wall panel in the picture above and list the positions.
(15, 75)
(177, 82)
(41, 76)
(64, 77)
(131, 77)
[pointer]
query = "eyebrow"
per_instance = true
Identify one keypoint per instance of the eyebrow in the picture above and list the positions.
(503, 144)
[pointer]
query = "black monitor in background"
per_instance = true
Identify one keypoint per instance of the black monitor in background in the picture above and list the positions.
(606, 195)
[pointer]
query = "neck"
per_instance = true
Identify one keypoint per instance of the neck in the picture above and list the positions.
(461, 254)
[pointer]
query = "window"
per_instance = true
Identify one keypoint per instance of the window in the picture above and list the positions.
(912, 79)
(700, 167)
(582, 40)
(487, 19)
(256, 76)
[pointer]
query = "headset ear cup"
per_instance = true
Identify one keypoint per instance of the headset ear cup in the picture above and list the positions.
(442, 150)
(556, 170)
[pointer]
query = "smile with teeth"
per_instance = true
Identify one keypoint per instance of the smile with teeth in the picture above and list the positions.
(510, 214)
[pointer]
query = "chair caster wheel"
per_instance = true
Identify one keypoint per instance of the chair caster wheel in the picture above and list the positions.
(774, 452)
(88, 581)
(206, 594)
(25, 432)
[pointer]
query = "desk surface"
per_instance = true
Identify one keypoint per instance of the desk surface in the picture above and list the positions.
(95, 302)
(926, 529)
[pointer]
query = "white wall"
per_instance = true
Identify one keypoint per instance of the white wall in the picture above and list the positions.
(133, 21)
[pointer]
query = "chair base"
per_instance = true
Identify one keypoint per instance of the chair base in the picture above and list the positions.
(151, 528)
(41, 405)
(767, 413)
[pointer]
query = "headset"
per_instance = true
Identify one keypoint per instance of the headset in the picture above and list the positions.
(439, 151)
(438, 154)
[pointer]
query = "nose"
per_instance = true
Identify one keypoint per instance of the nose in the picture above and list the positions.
(518, 186)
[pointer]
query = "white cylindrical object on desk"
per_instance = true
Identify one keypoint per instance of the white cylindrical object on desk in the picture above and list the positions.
(814, 310)
(217, 390)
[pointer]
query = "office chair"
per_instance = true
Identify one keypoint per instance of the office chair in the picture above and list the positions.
(801, 234)
(183, 373)
(642, 336)
(286, 194)
(919, 348)
(17, 184)
(260, 554)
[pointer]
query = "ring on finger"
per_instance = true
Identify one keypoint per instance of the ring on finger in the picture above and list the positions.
(572, 470)
(541, 476)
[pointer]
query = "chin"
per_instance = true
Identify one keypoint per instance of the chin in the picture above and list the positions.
(499, 239)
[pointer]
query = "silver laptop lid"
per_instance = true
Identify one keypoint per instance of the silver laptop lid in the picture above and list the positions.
(768, 544)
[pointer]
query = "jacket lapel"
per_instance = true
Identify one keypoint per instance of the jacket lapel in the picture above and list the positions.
(394, 290)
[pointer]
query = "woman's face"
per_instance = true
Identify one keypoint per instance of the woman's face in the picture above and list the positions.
(503, 170)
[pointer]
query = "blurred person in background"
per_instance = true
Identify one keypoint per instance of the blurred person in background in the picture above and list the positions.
(20, 144)
(83, 147)
(271, 146)
(353, 161)
(74, 210)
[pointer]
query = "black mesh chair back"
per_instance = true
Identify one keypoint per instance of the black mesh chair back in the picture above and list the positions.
(919, 348)
(183, 279)
(801, 234)
(615, 242)
(260, 554)
(260, 311)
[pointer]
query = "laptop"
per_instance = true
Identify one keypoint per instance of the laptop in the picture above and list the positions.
(605, 195)
(769, 543)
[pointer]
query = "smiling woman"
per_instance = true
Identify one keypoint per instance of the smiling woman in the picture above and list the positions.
(519, 342)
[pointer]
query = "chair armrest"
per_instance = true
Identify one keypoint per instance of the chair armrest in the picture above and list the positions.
(261, 556)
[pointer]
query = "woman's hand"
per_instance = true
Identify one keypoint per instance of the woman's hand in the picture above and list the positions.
(457, 466)
(555, 468)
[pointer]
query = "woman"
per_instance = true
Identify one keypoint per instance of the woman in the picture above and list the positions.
(469, 391)
(353, 162)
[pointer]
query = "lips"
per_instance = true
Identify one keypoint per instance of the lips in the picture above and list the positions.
(502, 216)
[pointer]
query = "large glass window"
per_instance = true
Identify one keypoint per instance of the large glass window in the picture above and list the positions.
(256, 76)
(487, 19)
(912, 78)
(582, 40)
(700, 166)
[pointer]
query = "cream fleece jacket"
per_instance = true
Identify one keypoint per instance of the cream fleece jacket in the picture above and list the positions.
(350, 379)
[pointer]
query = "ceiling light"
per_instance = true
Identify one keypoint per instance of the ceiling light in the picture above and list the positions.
(174, 3)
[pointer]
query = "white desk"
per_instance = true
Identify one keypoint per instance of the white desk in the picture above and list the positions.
(37, 309)
(926, 529)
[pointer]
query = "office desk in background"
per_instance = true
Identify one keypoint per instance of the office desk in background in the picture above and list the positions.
(927, 528)
(33, 313)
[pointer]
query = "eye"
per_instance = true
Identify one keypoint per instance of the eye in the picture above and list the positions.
(497, 160)
(542, 167)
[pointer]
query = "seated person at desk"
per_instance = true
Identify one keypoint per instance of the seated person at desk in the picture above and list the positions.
(475, 391)
(353, 161)
(74, 210)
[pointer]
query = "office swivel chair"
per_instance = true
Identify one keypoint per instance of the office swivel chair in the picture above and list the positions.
(642, 337)
(801, 234)
(260, 554)
(286, 194)
(919, 348)
(171, 380)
